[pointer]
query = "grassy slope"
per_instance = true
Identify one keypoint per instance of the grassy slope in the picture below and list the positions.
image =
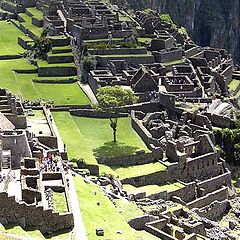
(22, 84)
(8, 39)
(60, 204)
(152, 189)
(233, 85)
(100, 216)
(94, 136)
(126, 172)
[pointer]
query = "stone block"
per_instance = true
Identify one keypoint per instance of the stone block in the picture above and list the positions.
(99, 232)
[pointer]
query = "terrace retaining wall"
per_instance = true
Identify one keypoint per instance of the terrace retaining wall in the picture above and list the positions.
(25, 215)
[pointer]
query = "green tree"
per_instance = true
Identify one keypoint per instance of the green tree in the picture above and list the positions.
(110, 99)
(40, 48)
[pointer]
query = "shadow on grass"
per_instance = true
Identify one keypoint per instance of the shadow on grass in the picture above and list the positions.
(113, 149)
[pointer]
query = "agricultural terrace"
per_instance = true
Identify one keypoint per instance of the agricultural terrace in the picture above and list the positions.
(90, 137)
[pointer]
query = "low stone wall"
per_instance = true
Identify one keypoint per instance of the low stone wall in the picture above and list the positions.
(60, 59)
(94, 114)
(145, 135)
(51, 81)
(23, 43)
(215, 183)
(25, 215)
(118, 51)
(220, 195)
(158, 233)
(128, 160)
(168, 56)
(156, 178)
(60, 41)
(191, 52)
(186, 193)
(49, 141)
(37, 22)
(56, 71)
(220, 121)
(214, 210)
(6, 57)
(103, 61)
(19, 121)
(138, 223)
(93, 169)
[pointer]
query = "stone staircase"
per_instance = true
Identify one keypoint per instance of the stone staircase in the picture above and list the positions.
(5, 162)
(4, 104)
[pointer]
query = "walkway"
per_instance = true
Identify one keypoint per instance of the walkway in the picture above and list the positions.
(88, 91)
(56, 132)
(79, 228)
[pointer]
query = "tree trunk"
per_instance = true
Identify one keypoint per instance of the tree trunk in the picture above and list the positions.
(114, 134)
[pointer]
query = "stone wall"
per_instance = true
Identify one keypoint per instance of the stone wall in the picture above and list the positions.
(60, 59)
(118, 51)
(138, 223)
(220, 121)
(26, 215)
(145, 135)
(19, 121)
(131, 60)
(56, 71)
(37, 22)
(94, 114)
(215, 183)
(18, 144)
(156, 178)
(220, 195)
(168, 56)
(215, 210)
(127, 160)
(158, 233)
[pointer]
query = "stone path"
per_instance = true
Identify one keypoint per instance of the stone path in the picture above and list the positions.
(88, 91)
(79, 228)
(55, 129)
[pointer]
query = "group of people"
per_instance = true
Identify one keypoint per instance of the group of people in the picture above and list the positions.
(9, 176)
(51, 163)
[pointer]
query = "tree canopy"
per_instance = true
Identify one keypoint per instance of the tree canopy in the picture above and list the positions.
(110, 98)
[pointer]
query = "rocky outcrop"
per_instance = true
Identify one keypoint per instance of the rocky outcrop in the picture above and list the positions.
(213, 23)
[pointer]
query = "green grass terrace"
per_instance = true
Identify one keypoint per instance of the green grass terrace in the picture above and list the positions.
(23, 85)
(8, 39)
(90, 137)
(152, 189)
(234, 85)
(105, 215)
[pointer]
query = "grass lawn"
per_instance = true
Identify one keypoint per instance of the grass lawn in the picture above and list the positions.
(41, 63)
(62, 94)
(130, 210)
(126, 56)
(233, 85)
(22, 84)
(177, 62)
(8, 39)
(36, 13)
(152, 189)
(103, 215)
(37, 31)
(35, 234)
(139, 170)
(144, 40)
(90, 137)
(60, 203)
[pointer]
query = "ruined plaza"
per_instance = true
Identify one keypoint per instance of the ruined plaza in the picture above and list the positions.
(163, 164)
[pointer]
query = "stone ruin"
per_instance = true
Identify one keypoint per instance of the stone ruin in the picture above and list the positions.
(25, 189)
